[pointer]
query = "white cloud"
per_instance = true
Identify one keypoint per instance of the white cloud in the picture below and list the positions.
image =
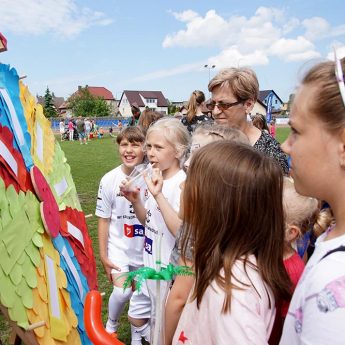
(252, 39)
(200, 31)
(61, 17)
(232, 57)
(316, 28)
(298, 49)
(185, 16)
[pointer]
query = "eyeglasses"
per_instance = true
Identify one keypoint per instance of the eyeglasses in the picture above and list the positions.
(222, 106)
(340, 76)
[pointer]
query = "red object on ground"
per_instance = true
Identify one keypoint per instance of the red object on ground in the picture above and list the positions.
(93, 321)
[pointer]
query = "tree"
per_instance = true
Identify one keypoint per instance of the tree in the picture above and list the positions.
(49, 109)
(84, 104)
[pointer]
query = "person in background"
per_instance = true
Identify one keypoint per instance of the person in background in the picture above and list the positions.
(62, 129)
(70, 129)
(88, 127)
(259, 121)
(135, 115)
(81, 130)
(273, 128)
(148, 117)
(195, 116)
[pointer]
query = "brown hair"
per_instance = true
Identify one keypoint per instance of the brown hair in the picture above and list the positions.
(328, 105)
(132, 134)
(148, 117)
(195, 100)
(241, 81)
(232, 209)
(259, 121)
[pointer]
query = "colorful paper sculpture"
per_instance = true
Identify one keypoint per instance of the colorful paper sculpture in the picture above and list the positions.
(47, 265)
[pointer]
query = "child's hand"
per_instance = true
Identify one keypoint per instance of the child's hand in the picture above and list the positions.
(131, 195)
(108, 267)
(155, 184)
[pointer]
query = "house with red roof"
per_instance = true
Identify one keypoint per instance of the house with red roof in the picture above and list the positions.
(154, 100)
(97, 91)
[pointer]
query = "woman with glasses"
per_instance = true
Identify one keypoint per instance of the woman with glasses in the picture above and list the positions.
(195, 115)
(234, 93)
(316, 145)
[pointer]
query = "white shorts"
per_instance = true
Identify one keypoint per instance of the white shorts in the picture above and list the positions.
(143, 305)
(122, 260)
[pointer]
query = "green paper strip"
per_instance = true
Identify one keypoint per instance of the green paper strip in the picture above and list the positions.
(144, 273)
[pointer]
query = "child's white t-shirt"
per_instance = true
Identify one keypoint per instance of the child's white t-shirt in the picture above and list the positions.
(155, 225)
(316, 314)
(126, 234)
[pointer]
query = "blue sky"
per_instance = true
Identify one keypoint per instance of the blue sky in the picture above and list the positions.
(164, 45)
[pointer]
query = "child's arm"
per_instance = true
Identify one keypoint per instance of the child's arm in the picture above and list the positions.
(176, 301)
(134, 198)
(103, 233)
(170, 216)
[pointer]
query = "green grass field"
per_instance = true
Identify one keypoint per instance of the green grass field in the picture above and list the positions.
(88, 164)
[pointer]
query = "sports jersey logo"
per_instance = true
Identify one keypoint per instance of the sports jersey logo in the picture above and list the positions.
(148, 245)
(136, 230)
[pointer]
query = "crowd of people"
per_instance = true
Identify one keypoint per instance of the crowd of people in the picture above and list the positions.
(82, 129)
(265, 240)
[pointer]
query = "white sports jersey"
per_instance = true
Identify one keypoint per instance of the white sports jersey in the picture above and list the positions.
(155, 225)
(126, 234)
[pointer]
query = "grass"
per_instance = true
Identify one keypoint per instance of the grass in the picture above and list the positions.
(88, 164)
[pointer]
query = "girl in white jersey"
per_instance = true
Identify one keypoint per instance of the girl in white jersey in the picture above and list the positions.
(316, 145)
(166, 144)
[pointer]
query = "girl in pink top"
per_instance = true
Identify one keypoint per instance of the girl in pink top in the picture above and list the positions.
(234, 218)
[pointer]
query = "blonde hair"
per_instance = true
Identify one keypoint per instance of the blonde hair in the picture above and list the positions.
(175, 134)
(195, 100)
(241, 81)
(219, 132)
(324, 220)
(299, 210)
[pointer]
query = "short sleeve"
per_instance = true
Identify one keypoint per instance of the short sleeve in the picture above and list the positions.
(104, 201)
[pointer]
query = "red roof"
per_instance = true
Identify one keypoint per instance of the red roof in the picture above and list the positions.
(100, 91)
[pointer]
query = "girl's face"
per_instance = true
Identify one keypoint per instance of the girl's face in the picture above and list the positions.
(162, 154)
(314, 151)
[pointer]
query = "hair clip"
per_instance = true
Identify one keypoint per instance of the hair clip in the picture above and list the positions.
(340, 76)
